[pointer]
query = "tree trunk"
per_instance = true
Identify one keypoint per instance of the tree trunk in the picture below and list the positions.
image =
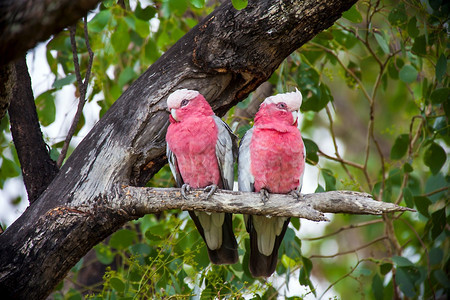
(225, 57)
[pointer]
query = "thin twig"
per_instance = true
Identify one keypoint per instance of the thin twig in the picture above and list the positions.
(351, 226)
(342, 277)
(82, 87)
(336, 149)
(341, 160)
(350, 251)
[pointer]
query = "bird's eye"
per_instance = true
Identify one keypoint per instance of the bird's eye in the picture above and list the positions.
(281, 105)
(184, 102)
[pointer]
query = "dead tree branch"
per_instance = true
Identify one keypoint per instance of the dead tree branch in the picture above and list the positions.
(139, 201)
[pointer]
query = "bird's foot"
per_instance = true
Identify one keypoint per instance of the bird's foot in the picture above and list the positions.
(297, 195)
(210, 189)
(264, 195)
(185, 189)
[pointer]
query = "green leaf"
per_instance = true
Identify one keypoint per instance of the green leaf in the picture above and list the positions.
(381, 40)
(353, 15)
(398, 16)
(385, 268)
(198, 3)
(9, 168)
(126, 76)
(177, 7)
(151, 51)
(442, 278)
(144, 14)
(420, 45)
(434, 158)
(408, 196)
(296, 223)
(45, 106)
(440, 95)
(117, 284)
(408, 74)
(142, 28)
(439, 221)
(120, 38)
(377, 287)
(122, 238)
(156, 232)
(436, 256)
(413, 31)
(405, 283)
(435, 183)
(311, 151)
(401, 261)
(400, 147)
(239, 4)
(318, 100)
(407, 168)
(140, 249)
(99, 21)
(64, 81)
(104, 254)
(422, 204)
(330, 180)
(441, 67)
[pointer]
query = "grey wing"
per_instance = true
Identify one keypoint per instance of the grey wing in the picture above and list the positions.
(245, 177)
(226, 152)
(173, 164)
(304, 162)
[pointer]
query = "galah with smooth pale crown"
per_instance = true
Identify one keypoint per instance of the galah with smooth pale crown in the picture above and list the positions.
(201, 150)
(271, 160)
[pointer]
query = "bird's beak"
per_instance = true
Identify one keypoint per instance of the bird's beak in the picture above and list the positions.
(173, 112)
(294, 116)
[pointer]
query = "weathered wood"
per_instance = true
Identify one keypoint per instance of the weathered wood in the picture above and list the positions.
(225, 57)
(138, 201)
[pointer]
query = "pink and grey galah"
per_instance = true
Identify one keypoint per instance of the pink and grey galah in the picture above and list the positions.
(271, 160)
(201, 150)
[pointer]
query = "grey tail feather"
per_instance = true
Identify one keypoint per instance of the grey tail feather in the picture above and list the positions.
(227, 254)
(259, 264)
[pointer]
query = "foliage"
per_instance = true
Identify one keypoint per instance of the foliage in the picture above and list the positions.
(375, 85)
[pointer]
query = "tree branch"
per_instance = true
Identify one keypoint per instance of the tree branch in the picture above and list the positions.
(82, 86)
(38, 169)
(140, 201)
(25, 23)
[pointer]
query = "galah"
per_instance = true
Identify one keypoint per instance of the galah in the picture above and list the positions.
(201, 150)
(271, 160)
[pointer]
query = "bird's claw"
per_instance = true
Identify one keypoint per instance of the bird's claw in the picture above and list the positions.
(210, 189)
(264, 195)
(297, 195)
(185, 189)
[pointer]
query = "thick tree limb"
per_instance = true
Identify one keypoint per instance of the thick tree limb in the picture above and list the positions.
(225, 57)
(139, 201)
(38, 169)
(24, 23)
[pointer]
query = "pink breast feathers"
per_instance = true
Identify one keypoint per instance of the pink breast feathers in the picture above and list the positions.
(277, 160)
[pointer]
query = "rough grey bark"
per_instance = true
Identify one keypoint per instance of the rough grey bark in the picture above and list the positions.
(140, 200)
(225, 57)
(24, 23)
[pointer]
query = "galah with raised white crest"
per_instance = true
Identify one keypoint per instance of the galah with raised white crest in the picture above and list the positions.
(201, 150)
(271, 160)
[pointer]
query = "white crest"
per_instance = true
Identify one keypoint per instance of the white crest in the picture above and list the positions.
(174, 99)
(293, 100)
